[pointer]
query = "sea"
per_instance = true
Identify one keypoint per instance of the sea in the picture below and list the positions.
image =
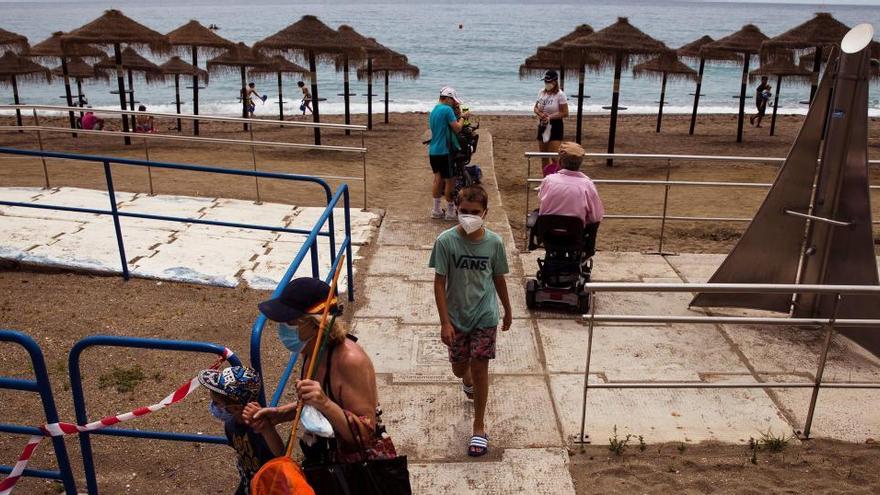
(474, 46)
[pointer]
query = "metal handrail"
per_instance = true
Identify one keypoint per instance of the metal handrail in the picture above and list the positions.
(186, 116)
(829, 323)
(663, 156)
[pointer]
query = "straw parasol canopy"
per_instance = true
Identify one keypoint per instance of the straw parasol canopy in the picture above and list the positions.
(12, 41)
(134, 62)
(114, 28)
(197, 38)
(617, 45)
(782, 66)
(278, 65)
(747, 42)
(693, 51)
(822, 30)
(239, 57)
(668, 64)
(16, 67)
(77, 68)
(52, 47)
(177, 67)
(398, 67)
(316, 41)
(535, 65)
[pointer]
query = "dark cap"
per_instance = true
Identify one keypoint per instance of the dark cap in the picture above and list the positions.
(302, 296)
(550, 75)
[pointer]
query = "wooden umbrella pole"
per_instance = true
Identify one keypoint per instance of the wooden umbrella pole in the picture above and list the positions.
(65, 73)
(662, 99)
(697, 96)
(580, 116)
(316, 114)
(280, 99)
(387, 96)
(817, 65)
(775, 105)
(120, 81)
(315, 349)
(345, 89)
(244, 99)
(177, 99)
(79, 95)
(195, 59)
(562, 77)
(742, 97)
(131, 98)
(370, 94)
(16, 101)
(615, 100)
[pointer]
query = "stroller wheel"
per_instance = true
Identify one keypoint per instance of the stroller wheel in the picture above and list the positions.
(530, 294)
(583, 303)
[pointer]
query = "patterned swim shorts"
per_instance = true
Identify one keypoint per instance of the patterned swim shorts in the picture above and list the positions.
(479, 343)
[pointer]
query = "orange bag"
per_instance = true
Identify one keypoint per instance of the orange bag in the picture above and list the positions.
(282, 475)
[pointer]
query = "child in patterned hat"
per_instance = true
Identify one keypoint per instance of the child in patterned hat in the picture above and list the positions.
(231, 390)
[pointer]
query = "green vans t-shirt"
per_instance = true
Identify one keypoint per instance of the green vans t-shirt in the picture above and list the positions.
(469, 267)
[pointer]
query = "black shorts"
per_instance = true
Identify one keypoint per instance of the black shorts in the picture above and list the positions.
(557, 129)
(440, 164)
(762, 108)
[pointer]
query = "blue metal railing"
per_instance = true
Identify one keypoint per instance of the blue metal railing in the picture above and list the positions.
(308, 245)
(79, 402)
(116, 214)
(42, 387)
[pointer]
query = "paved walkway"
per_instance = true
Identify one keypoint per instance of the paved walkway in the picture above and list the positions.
(179, 252)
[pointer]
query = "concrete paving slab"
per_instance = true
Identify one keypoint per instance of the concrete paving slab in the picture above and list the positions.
(696, 268)
(645, 303)
(94, 248)
(843, 414)
(202, 259)
(239, 211)
(363, 223)
(402, 262)
(793, 350)
(20, 234)
(643, 353)
(433, 421)
(416, 349)
(269, 267)
(77, 198)
(172, 206)
(20, 195)
(680, 415)
(532, 471)
(417, 235)
(614, 266)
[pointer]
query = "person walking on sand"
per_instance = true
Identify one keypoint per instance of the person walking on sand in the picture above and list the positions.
(470, 263)
(762, 97)
(551, 108)
(444, 125)
(306, 103)
(248, 94)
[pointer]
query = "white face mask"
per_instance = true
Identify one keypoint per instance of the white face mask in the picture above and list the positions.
(470, 223)
(548, 86)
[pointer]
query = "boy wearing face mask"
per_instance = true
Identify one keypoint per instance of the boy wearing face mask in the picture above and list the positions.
(470, 264)
(231, 390)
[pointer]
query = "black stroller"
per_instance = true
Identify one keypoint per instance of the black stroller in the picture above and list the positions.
(466, 174)
(567, 264)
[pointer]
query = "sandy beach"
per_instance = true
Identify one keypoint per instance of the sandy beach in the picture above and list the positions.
(398, 178)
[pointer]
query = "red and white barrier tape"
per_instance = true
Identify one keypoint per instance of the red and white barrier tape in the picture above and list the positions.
(61, 429)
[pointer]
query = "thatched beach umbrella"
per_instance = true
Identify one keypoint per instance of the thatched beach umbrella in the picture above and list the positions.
(693, 51)
(14, 68)
(620, 44)
(133, 62)
(391, 66)
(52, 48)
(239, 57)
(79, 70)
(819, 33)
(666, 65)
(196, 37)
(314, 40)
(114, 28)
(177, 67)
(580, 59)
(279, 66)
(746, 42)
(781, 66)
(371, 50)
(12, 41)
(554, 49)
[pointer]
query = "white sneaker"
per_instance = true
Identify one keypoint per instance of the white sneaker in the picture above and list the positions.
(451, 214)
(435, 214)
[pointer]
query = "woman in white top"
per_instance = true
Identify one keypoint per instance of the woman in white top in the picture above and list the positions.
(551, 108)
